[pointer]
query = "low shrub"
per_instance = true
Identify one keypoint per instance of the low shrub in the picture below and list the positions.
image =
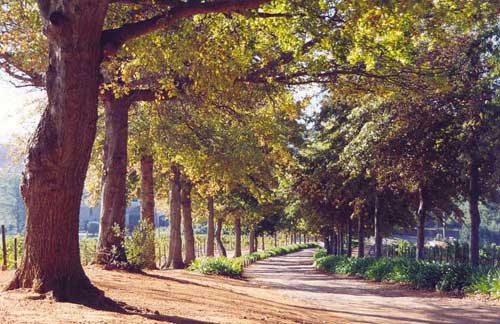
(319, 253)
(455, 277)
(331, 263)
(487, 282)
(423, 274)
(234, 267)
(217, 265)
(420, 274)
(140, 246)
(384, 268)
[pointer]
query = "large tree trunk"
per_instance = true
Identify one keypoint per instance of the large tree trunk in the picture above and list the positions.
(175, 242)
(59, 152)
(251, 242)
(218, 237)
(421, 216)
(187, 219)
(210, 227)
(475, 217)
(148, 202)
(361, 236)
(237, 234)
(110, 247)
(377, 223)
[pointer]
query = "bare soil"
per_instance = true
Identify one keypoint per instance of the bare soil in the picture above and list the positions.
(279, 290)
(172, 296)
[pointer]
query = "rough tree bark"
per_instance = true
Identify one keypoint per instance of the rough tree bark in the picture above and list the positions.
(377, 222)
(251, 241)
(175, 242)
(187, 222)
(218, 237)
(475, 217)
(59, 152)
(421, 216)
(210, 226)
(237, 234)
(148, 201)
(361, 236)
(110, 247)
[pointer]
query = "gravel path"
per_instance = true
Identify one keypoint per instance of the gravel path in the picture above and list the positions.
(360, 301)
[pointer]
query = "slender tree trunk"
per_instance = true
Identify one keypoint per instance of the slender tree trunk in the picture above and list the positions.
(187, 220)
(327, 244)
(237, 234)
(147, 190)
(210, 227)
(147, 197)
(377, 222)
(175, 242)
(256, 243)
(421, 216)
(341, 240)
(475, 217)
(361, 236)
(110, 247)
(218, 237)
(251, 241)
(263, 242)
(349, 238)
(275, 239)
(334, 242)
(59, 152)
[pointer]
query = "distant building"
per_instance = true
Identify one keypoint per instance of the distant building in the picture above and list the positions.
(132, 215)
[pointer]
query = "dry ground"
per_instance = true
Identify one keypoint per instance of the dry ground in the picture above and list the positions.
(161, 297)
(279, 290)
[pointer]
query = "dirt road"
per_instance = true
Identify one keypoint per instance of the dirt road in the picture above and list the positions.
(360, 301)
(279, 290)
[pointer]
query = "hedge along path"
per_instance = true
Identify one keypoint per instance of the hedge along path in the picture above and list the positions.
(359, 301)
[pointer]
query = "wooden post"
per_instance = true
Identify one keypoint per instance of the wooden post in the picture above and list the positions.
(15, 253)
(4, 249)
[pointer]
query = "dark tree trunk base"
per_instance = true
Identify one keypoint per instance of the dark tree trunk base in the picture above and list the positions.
(75, 289)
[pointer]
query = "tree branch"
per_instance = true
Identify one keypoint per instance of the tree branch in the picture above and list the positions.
(113, 39)
(168, 3)
(20, 73)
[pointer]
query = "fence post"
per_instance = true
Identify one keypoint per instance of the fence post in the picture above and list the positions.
(15, 253)
(4, 249)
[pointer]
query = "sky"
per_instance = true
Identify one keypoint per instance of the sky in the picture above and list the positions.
(17, 115)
